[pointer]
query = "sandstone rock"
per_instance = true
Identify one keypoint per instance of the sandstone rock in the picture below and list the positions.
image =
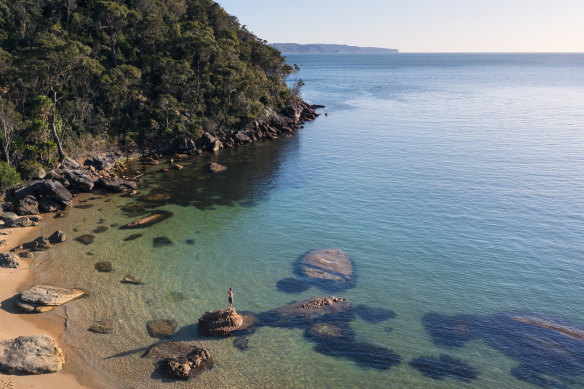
(132, 280)
(79, 180)
(220, 322)
(12, 220)
(9, 260)
(241, 137)
(57, 237)
(329, 264)
(50, 295)
(35, 218)
(27, 206)
(39, 244)
(54, 192)
(161, 328)
(100, 162)
(102, 327)
(117, 185)
(34, 354)
(69, 163)
(148, 221)
(104, 267)
(179, 360)
(216, 168)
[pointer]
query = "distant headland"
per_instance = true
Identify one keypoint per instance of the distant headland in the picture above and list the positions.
(321, 48)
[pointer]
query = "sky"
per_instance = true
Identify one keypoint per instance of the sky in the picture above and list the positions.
(419, 25)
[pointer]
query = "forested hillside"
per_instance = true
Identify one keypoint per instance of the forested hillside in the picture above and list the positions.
(76, 73)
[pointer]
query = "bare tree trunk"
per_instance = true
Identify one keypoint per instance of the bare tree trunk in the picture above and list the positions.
(54, 129)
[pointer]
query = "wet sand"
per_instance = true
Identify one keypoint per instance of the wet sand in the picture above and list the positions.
(14, 323)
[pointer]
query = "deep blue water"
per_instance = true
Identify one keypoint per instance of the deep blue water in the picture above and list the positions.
(455, 183)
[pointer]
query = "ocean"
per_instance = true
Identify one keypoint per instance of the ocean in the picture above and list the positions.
(454, 183)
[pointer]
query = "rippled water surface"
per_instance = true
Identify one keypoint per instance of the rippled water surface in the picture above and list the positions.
(455, 183)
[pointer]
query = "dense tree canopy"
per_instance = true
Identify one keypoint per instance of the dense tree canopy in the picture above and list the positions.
(132, 72)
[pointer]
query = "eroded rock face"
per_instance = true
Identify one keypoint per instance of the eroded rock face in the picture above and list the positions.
(27, 206)
(179, 360)
(220, 322)
(328, 264)
(41, 298)
(36, 354)
(9, 260)
(216, 168)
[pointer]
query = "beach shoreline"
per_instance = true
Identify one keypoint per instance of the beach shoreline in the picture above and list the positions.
(15, 324)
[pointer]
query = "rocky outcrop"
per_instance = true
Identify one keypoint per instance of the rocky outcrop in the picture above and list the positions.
(53, 192)
(179, 360)
(36, 354)
(9, 260)
(12, 220)
(27, 206)
(116, 184)
(57, 237)
(216, 168)
(161, 328)
(69, 163)
(42, 298)
(39, 244)
(329, 264)
(220, 322)
(79, 180)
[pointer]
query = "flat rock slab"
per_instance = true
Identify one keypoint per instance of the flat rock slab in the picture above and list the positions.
(328, 264)
(36, 354)
(50, 295)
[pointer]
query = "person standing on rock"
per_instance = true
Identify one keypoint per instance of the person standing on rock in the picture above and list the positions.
(230, 298)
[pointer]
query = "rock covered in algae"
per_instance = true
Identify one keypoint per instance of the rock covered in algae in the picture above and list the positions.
(161, 328)
(328, 264)
(35, 354)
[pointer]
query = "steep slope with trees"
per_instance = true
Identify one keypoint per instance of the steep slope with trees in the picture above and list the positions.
(133, 73)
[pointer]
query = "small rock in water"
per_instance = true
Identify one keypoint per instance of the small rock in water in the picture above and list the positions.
(99, 230)
(190, 241)
(114, 225)
(101, 221)
(104, 267)
(102, 327)
(132, 237)
(373, 314)
(161, 241)
(161, 328)
(216, 168)
(132, 280)
(388, 330)
(242, 344)
(83, 206)
(90, 253)
(175, 296)
(86, 239)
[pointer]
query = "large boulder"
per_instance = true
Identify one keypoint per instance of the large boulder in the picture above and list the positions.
(328, 264)
(69, 163)
(41, 298)
(220, 322)
(57, 237)
(301, 313)
(179, 360)
(100, 162)
(39, 244)
(27, 206)
(117, 185)
(9, 260)
(79, 180)
(52, 191)
(36, 354)
(12, 220)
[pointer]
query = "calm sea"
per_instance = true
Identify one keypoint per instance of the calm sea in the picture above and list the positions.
(455, 183)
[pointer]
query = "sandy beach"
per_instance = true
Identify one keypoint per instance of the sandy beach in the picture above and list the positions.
(14, 323)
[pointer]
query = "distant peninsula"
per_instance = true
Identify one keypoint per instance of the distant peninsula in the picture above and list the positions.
(322, 48)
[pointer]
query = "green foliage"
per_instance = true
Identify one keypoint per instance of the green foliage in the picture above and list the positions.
(9, 177)
(134, 72)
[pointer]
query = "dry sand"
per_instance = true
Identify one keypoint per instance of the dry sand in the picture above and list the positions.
(14, 324)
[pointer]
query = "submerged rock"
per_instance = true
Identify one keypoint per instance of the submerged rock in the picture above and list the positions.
(36, 354)
(241, 343)
(328, 264)
(86, 239)
(104, 267)
(444, 366)
(161, 241)
(148, 221)
(220, 322)
(42, 298)
(133, 237)
(161, 328)
(9, 260)
(118, 185)
(216, 168)
(301, 313)
(102, 327)
(99, 230)
(374, 314)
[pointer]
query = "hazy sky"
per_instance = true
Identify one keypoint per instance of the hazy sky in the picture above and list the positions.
(420, 25)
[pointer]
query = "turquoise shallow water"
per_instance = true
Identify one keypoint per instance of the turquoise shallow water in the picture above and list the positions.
(453, 181)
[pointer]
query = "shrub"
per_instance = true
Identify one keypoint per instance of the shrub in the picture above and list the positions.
(9, 177)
